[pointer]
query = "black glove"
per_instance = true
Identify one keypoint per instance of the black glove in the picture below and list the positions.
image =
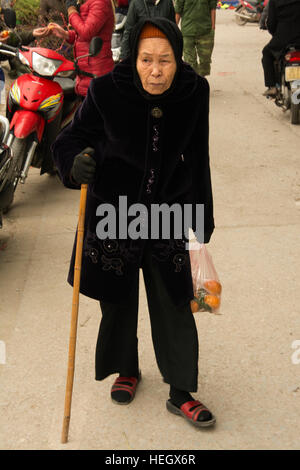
(84, 167)
(71, 3)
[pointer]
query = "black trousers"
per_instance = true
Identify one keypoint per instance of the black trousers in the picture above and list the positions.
(270, 54)
(174, 333)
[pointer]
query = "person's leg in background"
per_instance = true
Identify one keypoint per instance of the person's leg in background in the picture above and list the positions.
(268, 60)
(204, 47)
(189, 52)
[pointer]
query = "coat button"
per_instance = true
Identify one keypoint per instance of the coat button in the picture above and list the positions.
(156, 112)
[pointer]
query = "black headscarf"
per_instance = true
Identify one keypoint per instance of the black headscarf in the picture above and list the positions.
(174, 36)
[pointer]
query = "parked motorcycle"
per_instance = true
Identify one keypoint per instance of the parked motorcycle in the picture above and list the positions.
(288, 89)
(39, 104)
(117, 35)
(249, 11)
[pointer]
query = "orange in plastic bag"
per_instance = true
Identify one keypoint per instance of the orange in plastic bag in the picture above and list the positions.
(206, 284)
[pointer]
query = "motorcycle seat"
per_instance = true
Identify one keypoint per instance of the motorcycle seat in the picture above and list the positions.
(67, 84)
(292, 47)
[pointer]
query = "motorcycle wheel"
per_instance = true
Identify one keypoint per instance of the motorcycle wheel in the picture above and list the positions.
(240, 21)
(285, 92)
(295, 111)
(18, 148)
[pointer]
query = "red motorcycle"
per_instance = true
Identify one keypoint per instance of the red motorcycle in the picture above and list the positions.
(249, 11)
(39, 104)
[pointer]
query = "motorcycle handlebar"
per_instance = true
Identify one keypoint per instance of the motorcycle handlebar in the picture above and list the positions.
(6, 48)
(86, 74)
(83, 72)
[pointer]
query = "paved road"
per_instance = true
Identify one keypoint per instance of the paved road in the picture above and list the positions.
(249, 376)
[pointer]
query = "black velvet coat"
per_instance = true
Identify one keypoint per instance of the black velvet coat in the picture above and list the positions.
(150, 156)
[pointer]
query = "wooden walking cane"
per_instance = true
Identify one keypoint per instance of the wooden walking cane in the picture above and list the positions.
(74, 315)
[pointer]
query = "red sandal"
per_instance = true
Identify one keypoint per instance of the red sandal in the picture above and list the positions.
(190, 410)
(125, 384)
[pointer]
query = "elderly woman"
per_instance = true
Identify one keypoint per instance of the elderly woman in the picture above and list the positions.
(145, 125)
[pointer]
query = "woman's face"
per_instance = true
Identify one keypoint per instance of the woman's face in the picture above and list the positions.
(156, 65)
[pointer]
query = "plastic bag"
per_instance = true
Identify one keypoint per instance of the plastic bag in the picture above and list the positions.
(206, 283)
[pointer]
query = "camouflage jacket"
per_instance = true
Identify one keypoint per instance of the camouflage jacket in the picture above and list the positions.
(195, 16)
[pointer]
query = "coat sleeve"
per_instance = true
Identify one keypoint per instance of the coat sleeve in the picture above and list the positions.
(95, 20)
(272, 17)
(179, 6)
(23, 38)
(197, 157)
(27, 37)
(86, 130)
(130, 22)
(72, 35)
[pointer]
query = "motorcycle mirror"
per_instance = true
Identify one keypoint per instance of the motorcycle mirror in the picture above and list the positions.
(10, 17)
(95, 46)
(94, 49)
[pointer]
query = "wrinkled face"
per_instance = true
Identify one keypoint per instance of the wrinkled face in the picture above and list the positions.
(156, 65)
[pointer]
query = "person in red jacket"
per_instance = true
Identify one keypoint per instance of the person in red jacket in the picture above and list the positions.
(89, 18)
